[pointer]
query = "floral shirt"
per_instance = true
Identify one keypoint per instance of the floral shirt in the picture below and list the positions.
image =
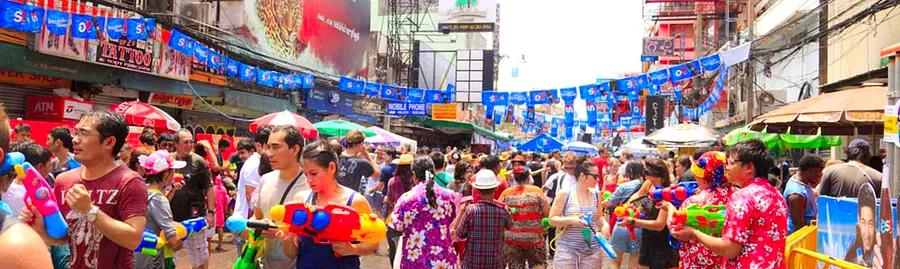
(757, 219)
(695, 255)
(426, 231)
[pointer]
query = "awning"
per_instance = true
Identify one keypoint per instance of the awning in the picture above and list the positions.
(22, 59)
(149, 83)
(454, 127)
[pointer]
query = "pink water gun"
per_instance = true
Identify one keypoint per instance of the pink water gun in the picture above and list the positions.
(39, 194)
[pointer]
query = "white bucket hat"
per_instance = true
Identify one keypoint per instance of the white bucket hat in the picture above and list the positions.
(485, 179)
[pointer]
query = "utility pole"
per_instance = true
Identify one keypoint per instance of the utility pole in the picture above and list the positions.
(748, 90)
(823, 42)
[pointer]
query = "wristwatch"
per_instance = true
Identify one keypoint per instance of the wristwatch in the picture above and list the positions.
(92, 214)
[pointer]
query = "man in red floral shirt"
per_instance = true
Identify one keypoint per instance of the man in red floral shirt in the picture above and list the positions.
(756, 218)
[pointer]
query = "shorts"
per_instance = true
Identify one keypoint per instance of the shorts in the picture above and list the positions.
(516, 256)
(566, 258)
(376, 201)
(197, 249)
(621, 240)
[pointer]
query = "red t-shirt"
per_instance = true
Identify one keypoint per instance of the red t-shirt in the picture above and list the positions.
(121, 194)
(477, 197)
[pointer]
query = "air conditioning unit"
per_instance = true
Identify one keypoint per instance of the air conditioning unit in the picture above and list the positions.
(195, 10)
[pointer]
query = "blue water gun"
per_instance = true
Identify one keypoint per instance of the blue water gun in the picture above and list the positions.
(589, 232)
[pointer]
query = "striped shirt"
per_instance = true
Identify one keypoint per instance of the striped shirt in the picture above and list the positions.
(572, 237)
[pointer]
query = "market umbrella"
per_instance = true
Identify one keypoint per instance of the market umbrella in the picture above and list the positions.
(341, 127)
(783, 141)
(847, 112)
(306, 128)
(542, 143)
(683, 135)
(636, 147)
(138, 113)
(388, 138)
(581, 147)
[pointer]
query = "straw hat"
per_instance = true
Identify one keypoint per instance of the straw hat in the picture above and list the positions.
(504, 156)
(405, 159)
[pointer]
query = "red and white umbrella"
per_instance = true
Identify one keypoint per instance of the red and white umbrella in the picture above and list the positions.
(306, 128)
(138, 113)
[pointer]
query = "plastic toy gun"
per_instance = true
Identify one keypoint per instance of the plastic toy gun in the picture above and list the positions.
(335, 223)
(675, 194)
(624, 211)
(708, 219)
(589, 232)
(39, 194)
(251, 250)
(151, 243)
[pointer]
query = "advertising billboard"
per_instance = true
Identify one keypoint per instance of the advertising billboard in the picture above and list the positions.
(467, 15)
(330, 36)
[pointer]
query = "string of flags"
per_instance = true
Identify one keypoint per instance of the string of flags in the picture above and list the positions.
(623, 94)
(396, 93)
(34, 18)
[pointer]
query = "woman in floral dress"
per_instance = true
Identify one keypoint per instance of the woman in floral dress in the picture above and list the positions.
(423, 215)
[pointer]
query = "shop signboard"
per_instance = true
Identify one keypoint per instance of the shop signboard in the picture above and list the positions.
(406, 109)
(39, 81)
(136, 55)
(891, 129)
(171, 100)
(445, 111)
(55, 108)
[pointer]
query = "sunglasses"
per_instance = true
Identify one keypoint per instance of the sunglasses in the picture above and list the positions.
(593, 175)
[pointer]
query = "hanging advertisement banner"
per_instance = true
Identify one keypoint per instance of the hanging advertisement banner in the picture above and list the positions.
(467, 16)
(171, 100)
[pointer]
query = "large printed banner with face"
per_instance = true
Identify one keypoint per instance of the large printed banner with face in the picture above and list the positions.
(850, 229)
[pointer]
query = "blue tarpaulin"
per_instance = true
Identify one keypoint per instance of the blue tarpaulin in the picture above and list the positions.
(542, 143)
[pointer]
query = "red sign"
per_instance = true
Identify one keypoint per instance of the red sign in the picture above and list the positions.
(55, 108)
(172, 100)
(129, 54)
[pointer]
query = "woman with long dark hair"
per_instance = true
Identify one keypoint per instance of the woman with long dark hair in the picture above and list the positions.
(423, 215)
(320, 164)
(655, 251)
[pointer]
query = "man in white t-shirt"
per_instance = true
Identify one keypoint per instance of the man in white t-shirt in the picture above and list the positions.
(248, 177)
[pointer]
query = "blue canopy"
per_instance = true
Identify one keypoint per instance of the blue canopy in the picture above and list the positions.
(542, 143)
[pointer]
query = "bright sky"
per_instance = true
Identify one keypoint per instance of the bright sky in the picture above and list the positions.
(568, 42)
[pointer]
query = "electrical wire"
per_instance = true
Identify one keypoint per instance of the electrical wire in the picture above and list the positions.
(213, 108)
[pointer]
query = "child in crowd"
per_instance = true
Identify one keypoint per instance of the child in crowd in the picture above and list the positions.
(221, 207)
(157, 170)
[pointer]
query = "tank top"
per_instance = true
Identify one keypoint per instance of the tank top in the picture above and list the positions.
(313, 255)
(572, 237)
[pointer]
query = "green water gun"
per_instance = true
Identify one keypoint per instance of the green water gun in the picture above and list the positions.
(709, 219)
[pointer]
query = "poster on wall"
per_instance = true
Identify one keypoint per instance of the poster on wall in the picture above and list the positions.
(65, 45)
(848, 229)
(173, 64)
(330, 36)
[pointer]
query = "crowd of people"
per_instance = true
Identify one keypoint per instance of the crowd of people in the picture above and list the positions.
(445, 208)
